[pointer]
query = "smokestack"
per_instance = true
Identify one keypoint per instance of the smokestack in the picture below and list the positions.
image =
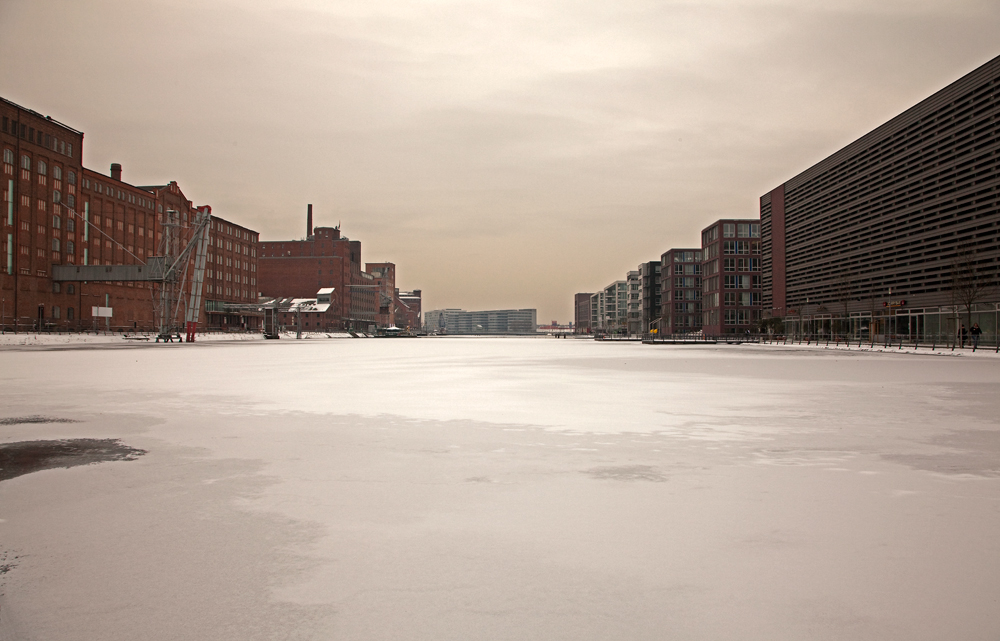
(309, 221)
(116, 171)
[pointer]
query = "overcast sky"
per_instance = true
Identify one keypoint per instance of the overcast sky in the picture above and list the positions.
(502, 154)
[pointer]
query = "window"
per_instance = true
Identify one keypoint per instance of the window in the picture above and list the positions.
(121, 225)
(56, 222)
(55, 288)
(8, 156)
(69, 312)
(755, 230)
(55, 244)
(26, 162)
(41, 168)
(743, 230)
(729, 264)
(70, 247)
(728, 230)
(71, 177)
(70, 289)
(70, 200)
(56, 196)
(57, 172)
(730, 299)
(55, 311)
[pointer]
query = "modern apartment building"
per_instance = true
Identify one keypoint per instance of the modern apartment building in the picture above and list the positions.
(649, 274)
(731, 277)
(681, 278)
(498, 321)
(634, 313)
(897, 228)
(581, 312)
(616, 307)
(597, 312)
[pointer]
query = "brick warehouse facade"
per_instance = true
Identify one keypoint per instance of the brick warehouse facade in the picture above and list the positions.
(61, 213)
(882, 230)
(385, 282)
(408, 309)
(300, 268)
(41, 173)
(231, 278)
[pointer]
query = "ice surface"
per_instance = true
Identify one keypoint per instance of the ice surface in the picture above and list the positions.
(476, 488)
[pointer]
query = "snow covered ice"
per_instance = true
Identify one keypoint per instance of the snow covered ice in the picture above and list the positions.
(476, 488)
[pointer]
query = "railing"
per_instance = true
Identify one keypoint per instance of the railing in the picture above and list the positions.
(931, 341)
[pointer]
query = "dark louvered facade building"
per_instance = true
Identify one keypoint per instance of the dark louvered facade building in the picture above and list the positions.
(899, 232)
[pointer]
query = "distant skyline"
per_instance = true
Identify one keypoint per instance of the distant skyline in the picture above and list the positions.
(501, 155)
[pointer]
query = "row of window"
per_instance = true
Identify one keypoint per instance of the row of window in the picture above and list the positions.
(41, 167)
(741, 230)
(741, 264)
(732, 281)
(730, 247)
(232, 231)
(114, 192)
(687, 257)
(37, 137)
(741, 316)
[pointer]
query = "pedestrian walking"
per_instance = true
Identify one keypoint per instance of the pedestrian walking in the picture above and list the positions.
(963, 334)
(975, 333)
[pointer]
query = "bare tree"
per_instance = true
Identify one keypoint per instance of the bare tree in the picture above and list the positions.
(972, 281)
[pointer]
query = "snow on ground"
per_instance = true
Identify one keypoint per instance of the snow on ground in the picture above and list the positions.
(477, 488)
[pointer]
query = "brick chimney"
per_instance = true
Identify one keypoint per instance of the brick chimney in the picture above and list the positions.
(309, 220)
(116, 171)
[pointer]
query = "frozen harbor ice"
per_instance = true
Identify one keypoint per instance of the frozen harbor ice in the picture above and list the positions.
(502, 489)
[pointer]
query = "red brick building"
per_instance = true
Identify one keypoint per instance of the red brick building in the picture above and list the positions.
(408, 309)
(385, 282)
(40, 180)
(299, 268)
(581, 313)
(680, 300)
(731, 277)
(61, 213)
(231, 278)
